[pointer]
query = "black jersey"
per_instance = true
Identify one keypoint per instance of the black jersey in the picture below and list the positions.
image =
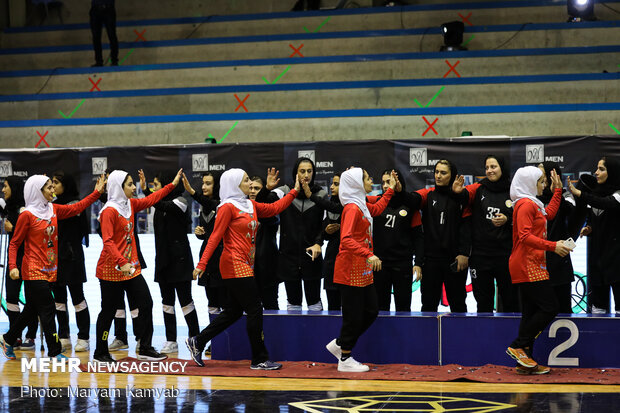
(397, 234)
(487, 239)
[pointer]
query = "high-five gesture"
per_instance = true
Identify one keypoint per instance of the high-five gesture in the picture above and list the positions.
(571, 187)
(187, 185)
(272, 178)
(142, 179)
(556, 181)
(177, 178)
(393, 180)
(100, 185)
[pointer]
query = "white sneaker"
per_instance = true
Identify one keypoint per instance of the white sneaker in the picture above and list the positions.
(65, 343)
(334, 348)
(82, 345)
(170, 347)
(118, 345)
(351, 365)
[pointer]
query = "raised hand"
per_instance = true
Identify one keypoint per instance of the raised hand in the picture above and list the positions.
(272, 178)
(458, 185)
(142, 179)
(187, 185)
(100, 185)
(556, 181)
(393, 180)
(306, 188)
(177, 178)
(297, 184)
(571, 187)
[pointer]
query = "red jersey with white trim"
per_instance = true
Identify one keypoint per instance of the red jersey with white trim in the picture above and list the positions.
(40, 238)
(118, 238)
(352, 267)
(238, 229)
(529, 232)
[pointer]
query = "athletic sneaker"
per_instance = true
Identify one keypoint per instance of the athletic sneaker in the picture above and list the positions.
(194, 351)
(266, 365)
(82, 345)
(351, 365)
(334, 348)
(534, 370)
(104, 358)
(65, 343)
(151, 354)
(27, 344)
(118, 345)
(61, 357)
(7, 349)
(170, 347)
(521, 357)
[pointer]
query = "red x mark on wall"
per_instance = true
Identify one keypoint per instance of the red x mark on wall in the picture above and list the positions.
(42, 139)
(241, 102)
(139, 35)
(430, 126)
(94, 84)
(452, 68)
(465, 18)
(296, 51)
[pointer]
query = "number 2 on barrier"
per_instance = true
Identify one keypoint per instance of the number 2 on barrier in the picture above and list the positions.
(554, 360)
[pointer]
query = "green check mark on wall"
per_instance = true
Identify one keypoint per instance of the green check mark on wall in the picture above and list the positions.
(436, 94)
(277, 78)
(71, 114)
(318, 28)
(224, 137)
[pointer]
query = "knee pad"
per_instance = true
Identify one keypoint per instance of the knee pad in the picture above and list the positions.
(61, 307)
(188, 308)
(83, 306)
(168, 309)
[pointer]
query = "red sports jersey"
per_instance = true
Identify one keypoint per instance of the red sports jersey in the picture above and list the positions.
(40, 239)
(238, 229)
(529, 232)
(118, 238)
(352, 266)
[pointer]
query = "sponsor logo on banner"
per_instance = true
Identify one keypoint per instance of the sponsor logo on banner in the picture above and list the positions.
(325, 164)
(558, 159)
(200, 162)
(534, 153)
(99, 165)
(417, 156)
(307, 153)
(6, 168)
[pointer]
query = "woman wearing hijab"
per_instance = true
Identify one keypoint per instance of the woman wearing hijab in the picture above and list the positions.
(301, 227)
(397, 238)
(561, 274)
(71, 268)
(447, 238)
(602, 228)
(236, 223)
(118, 268)
(528, 267)
(355, 264)
(173, 261)
(491, 232)
(37, 228)
(10, 208)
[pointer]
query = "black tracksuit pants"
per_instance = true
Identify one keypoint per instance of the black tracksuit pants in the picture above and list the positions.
(564, 295)
(39, 302)
(359, 311)
(311, 288)
(397, 276)
(13, 288)
(437, 273)
(101, 16)
(139, 296)
(539, 308)
(82, 315)
(483, 284)
(243, 296)
(183, 290)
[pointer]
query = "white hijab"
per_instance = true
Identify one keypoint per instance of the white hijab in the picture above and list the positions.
(34, 199)
(524, 186)
(230, 193)
(116, 195)
(351, 190)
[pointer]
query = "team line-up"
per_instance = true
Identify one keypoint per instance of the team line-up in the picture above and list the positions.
(517, 232)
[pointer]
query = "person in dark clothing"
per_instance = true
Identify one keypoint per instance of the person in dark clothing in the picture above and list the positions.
(209, 200)
(266, 262)
(71, 269)
(10, 207)
(103, 13)
(173, 261)
(301, 226)
(491, 223)
(602, 227)
(561, 274)
(447, 238)
(397, 237)
(331, 234)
